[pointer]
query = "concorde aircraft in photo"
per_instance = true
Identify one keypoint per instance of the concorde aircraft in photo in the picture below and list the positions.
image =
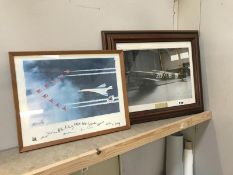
(101, 89)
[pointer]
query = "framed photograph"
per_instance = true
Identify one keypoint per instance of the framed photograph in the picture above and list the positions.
(162, 70)
(63, 96)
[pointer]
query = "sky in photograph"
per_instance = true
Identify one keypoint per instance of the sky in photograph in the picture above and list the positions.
(55, 86)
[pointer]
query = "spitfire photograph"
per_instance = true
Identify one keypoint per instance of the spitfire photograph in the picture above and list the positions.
(158, 77)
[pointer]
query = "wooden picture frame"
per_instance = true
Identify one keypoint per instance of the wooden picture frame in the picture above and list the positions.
(135, 44)
(63, 96)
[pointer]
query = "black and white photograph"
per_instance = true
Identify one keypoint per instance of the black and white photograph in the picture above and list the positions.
(158, 77)
(162, 71)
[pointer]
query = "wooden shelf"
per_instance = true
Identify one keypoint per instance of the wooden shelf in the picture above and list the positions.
(68, 158)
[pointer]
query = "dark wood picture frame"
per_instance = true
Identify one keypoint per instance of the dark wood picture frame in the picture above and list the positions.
(116, 127)
(109, 42)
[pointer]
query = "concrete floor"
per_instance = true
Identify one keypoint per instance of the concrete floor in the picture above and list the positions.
(167, 92)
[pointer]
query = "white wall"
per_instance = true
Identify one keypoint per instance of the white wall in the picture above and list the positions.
(214, 140)
(188, 14)
(65, 25)
(146, 160)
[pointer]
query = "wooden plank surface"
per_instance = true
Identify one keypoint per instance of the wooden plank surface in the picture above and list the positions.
(68, 158)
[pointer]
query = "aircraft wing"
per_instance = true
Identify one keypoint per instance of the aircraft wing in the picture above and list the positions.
(103, 93)
(102, 86)
(142, 73)
(151, 79)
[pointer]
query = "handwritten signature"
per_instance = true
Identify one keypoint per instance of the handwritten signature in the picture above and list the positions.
(76, 127)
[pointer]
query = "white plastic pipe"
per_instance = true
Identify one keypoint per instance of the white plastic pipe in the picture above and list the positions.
(188, 158)
(174, 155)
